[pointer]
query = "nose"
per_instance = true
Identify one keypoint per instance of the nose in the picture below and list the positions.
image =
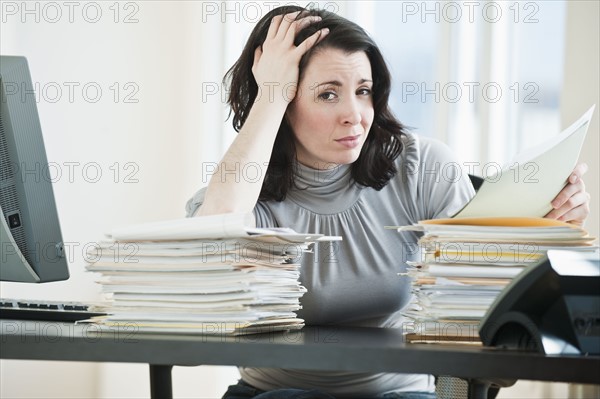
(350, 112)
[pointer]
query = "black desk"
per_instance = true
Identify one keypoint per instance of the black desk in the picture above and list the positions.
(317, 348)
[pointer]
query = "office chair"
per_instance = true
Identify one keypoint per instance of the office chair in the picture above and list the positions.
(447, 387)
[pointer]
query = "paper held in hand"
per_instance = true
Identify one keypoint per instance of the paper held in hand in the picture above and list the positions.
(464, 262)
(534, 178)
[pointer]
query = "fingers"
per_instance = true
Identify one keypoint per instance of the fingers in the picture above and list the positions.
(280, 24)
(567, 192)
(289, 21)
(298, 25)
(277, 58)
(285, 26)
(572, 204)
(576, 215)
(578, 172)
(313, 39)
(286, 21)
(574, 210)
(274, 27)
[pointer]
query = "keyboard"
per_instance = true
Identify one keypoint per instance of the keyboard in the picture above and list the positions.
(24, 309)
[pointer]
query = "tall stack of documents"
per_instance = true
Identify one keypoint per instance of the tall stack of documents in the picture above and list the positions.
(467, 260)
(208, 275)
(465, 263)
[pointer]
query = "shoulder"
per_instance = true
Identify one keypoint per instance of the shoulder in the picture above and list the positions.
(433, 177)
(424, 157)
(425, 149)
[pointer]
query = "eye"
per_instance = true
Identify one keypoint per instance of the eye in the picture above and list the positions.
(364, 91)
(327, 96)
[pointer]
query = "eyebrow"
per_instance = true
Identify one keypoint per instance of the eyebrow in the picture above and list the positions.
(338, 83)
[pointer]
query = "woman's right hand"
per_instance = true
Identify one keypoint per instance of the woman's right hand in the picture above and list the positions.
(276, 62)
(276, 72)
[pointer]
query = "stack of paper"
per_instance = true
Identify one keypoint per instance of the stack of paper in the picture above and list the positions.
(468, 259)
(466, 262)
(208, 275)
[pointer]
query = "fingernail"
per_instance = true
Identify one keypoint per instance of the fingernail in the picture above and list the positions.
(574, 179)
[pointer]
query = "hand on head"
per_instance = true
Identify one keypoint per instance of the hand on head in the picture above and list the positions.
(276, 61)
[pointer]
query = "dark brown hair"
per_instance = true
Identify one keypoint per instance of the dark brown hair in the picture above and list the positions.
(375, 164)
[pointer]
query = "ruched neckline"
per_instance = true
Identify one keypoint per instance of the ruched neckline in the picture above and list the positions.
(325, 191)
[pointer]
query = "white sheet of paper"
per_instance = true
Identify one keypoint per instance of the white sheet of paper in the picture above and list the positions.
(538, 175)
(229, 225)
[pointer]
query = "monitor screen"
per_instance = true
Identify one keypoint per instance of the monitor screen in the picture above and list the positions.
(31, 246)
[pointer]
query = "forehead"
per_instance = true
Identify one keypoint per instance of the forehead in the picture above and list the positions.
(331, 63)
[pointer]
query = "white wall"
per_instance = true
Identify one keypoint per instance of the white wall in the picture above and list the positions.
(582, 89)
(165, 56)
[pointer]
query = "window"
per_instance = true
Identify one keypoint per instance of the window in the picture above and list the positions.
(483, 76)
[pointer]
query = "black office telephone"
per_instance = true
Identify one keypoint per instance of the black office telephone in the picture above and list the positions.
(552, 307)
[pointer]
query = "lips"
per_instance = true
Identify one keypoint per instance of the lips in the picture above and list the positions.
(349, 141)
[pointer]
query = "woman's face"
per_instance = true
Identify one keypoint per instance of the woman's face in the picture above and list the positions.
(332, 112)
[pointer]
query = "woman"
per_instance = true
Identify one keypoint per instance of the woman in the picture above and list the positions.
(309, 97)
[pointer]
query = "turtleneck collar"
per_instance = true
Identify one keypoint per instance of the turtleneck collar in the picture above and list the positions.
(325, 191)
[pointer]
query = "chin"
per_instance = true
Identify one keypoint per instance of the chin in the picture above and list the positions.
(347, 159)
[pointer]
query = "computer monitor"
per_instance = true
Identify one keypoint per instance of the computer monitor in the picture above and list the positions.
(31, 245)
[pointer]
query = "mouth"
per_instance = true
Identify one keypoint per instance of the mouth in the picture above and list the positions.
(349, 141)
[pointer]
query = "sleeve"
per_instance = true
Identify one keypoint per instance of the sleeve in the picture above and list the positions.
(264, 216)
(262, 213)
(443, 183)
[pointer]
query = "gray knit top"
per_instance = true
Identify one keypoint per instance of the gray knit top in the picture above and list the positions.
(355, 282)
